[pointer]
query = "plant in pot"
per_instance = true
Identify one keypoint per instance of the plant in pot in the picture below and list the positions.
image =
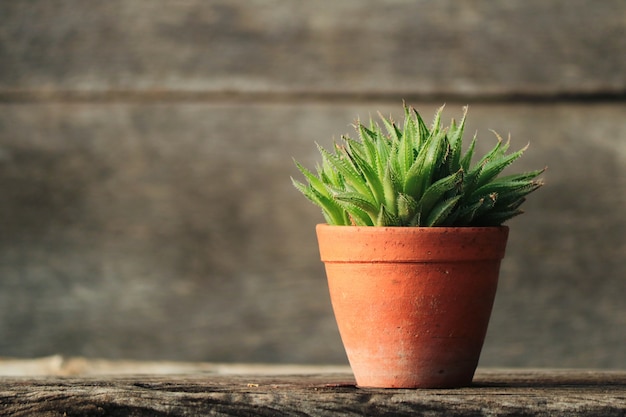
(412, 246)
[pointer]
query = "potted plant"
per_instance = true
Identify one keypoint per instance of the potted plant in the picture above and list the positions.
(412, 246)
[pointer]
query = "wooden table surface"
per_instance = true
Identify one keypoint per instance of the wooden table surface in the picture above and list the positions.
(65, 387)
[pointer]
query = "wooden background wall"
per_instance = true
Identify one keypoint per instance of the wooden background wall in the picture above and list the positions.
(146, 152)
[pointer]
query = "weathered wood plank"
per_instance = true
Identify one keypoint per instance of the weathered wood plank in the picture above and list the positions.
(353, 47)
(172, 231)
(494, 393)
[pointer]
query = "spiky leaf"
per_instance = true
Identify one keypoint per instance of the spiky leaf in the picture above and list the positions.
(416, 176)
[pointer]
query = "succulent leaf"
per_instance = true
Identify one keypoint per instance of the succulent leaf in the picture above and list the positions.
(340, 163)
(390, 189)
(356, 214)
(407, 209)
(332, 212)
(455, 139)
(416, 176)
(392, 130)
(437, 192)
(358, 200)
(469, 154)
(495, 166)
(439, 213)
(386, 219)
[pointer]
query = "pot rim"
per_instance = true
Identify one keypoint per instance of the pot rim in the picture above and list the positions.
(410, 244)
(409, 229)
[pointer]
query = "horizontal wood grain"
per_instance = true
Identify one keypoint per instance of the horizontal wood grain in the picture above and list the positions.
(349, 48)
(146, 151)
(500, 392)
(172, 231)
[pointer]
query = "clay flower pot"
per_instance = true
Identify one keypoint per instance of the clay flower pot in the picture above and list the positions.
(412, 304)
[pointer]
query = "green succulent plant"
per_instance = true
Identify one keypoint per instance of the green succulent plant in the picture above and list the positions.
(412, 175)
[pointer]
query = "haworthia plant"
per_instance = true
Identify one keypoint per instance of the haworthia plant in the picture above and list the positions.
(412, 175)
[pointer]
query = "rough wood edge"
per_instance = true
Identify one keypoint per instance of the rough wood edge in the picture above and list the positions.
(496, 392)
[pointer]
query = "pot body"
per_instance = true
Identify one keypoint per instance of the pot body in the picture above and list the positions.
(412, 304)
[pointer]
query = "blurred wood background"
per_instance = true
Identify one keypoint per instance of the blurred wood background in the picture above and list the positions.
(146, 151)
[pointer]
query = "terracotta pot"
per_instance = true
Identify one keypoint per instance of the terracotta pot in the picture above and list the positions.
(412, 304)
